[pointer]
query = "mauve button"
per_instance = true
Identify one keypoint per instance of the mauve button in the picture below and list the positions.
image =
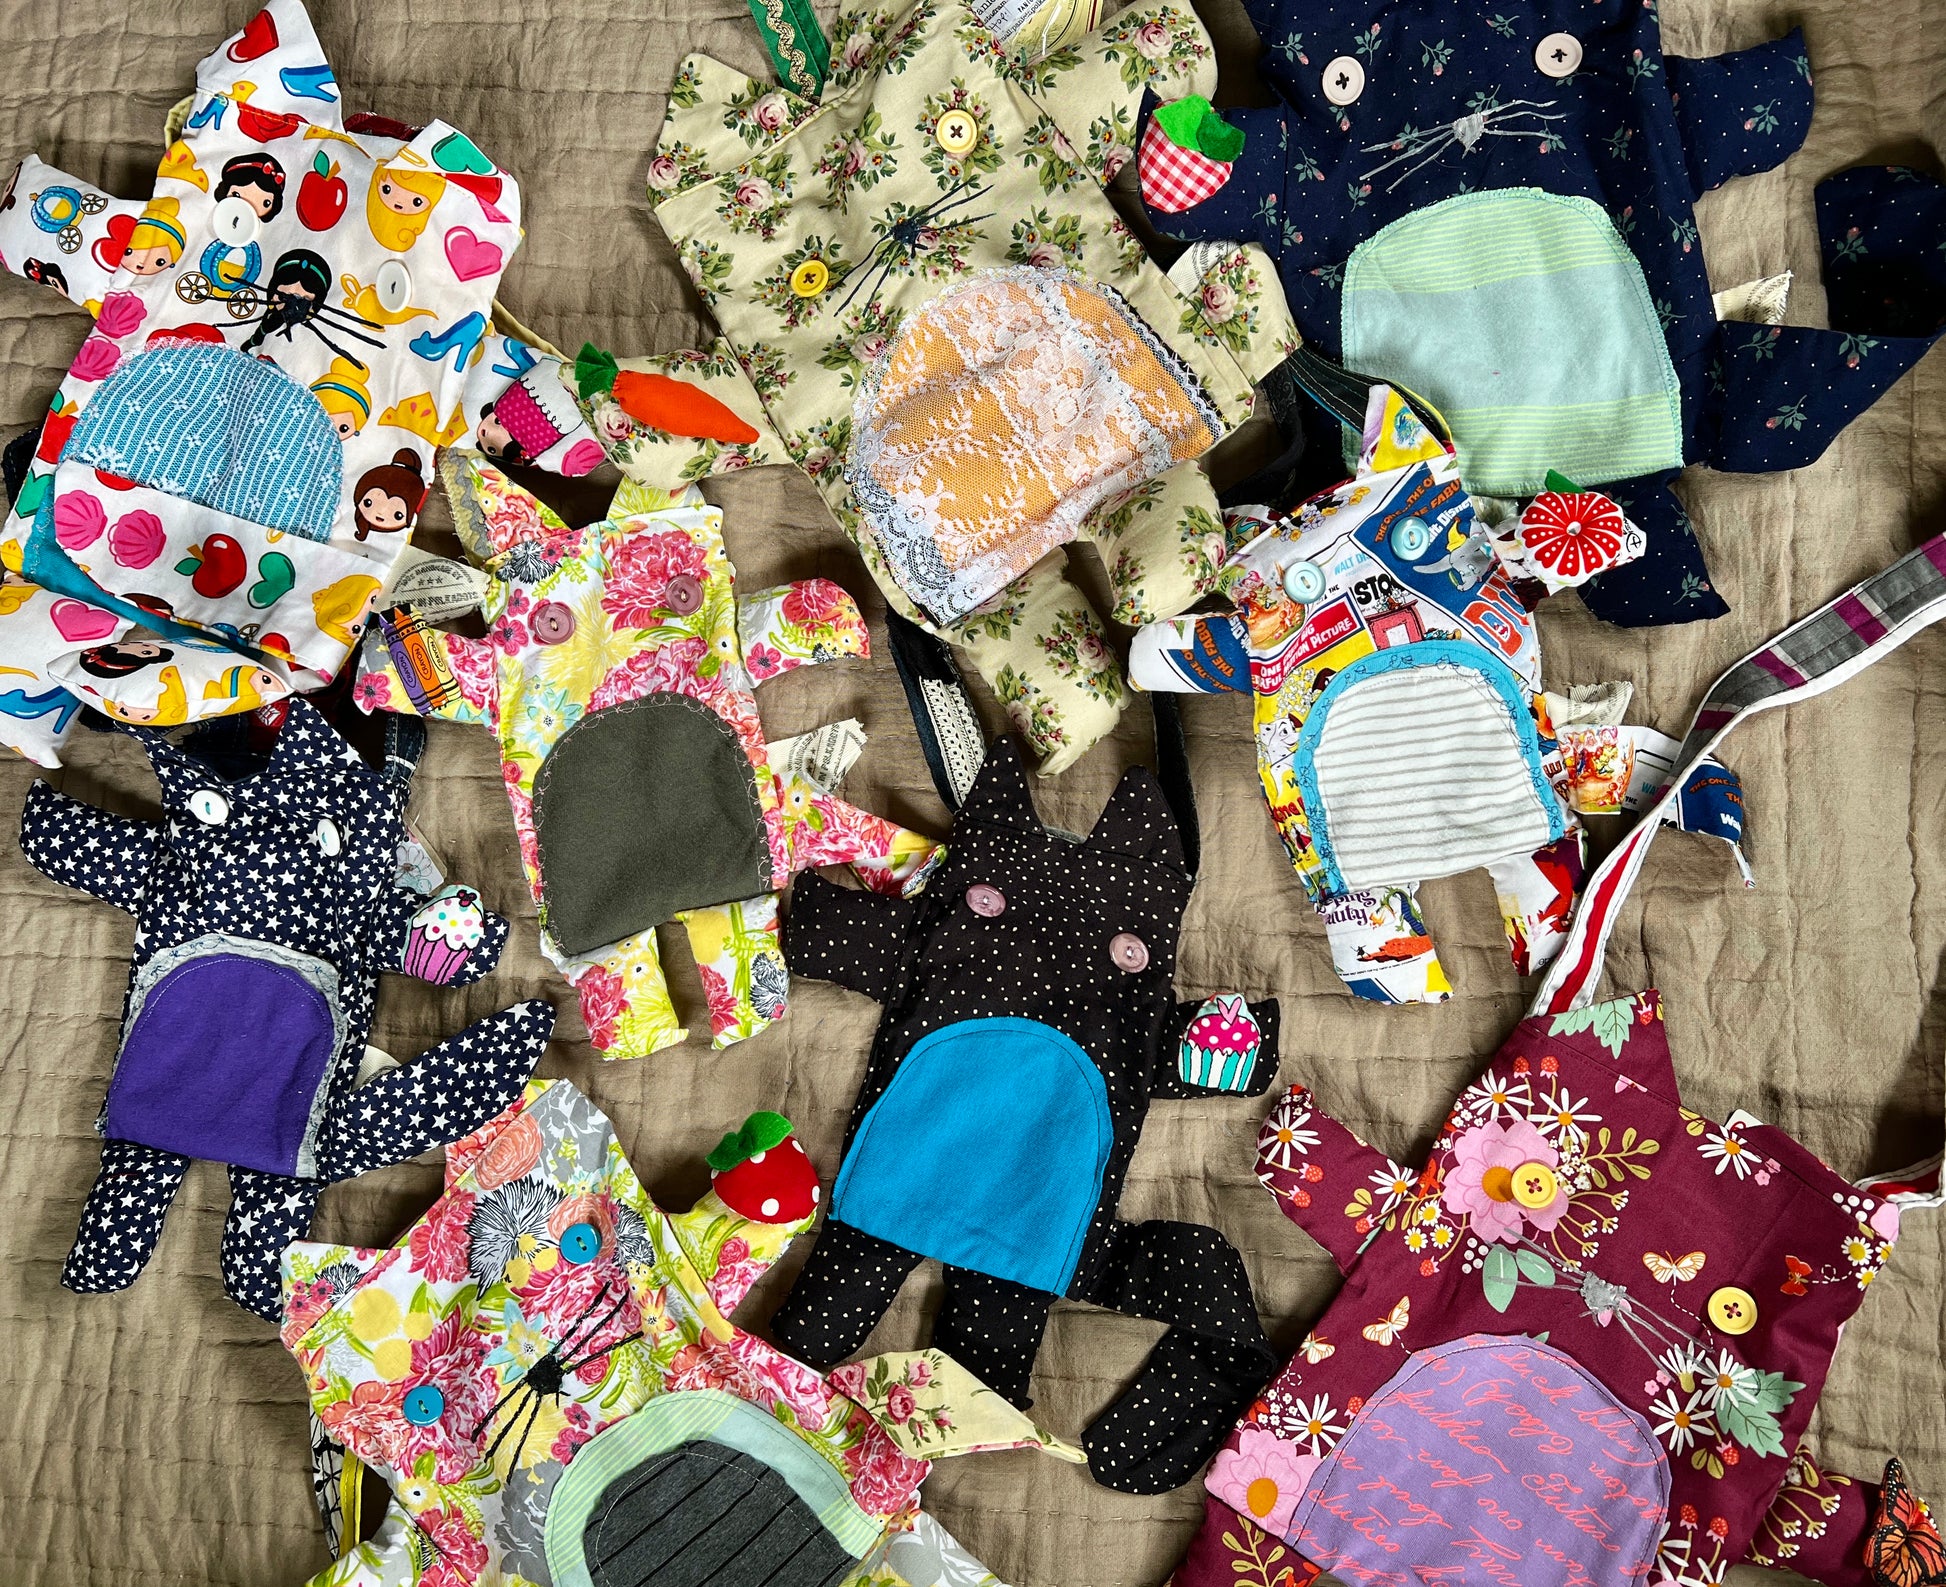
(1129, 952)
(985, 900)
(684, 595)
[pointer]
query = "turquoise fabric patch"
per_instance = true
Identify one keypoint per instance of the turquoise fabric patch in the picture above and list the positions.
(1523, 317)
(985, 1152)
(219, 428)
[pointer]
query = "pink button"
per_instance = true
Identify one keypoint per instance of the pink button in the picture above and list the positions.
(1129, 952)
(552, 623)
(684, 595)
(985, 900)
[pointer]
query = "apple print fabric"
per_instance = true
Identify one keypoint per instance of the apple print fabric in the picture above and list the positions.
(1495, 207)
(618, 672)
(546, 1342)
(267, 904)
(284, 332)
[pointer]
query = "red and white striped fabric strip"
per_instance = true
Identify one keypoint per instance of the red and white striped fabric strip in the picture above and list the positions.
(1860, 627)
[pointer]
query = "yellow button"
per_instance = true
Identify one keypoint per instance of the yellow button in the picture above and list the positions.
(810, 278)
(1732, 1310)
(956, 132)
(1535, 1185)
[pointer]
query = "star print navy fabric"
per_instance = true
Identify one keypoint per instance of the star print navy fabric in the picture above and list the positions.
(1029, 1019)
(266, 905)
(1494, 207)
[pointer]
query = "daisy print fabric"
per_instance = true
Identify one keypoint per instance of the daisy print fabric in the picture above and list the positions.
(1600, 1316)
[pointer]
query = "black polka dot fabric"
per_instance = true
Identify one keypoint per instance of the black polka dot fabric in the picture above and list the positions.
(293, 855)
(1023, 924)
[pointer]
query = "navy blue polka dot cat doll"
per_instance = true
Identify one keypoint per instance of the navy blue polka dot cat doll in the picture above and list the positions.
(267, 901)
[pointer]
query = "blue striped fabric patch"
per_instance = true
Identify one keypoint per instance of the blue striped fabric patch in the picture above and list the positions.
(219, 428)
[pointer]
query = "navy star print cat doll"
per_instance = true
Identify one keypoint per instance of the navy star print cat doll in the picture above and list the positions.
(266, 903)
(1493, 206)
(1029, 1018)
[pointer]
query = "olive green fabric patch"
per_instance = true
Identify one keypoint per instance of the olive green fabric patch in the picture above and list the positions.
(643, 810)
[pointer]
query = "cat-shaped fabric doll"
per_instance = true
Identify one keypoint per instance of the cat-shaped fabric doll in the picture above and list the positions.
(267, 902)
(1029, 1019)
(1494, 207)
(619, 674)
(283, 334)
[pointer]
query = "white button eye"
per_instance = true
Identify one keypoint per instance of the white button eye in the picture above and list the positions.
(393, 284)
(1558, 55)
(235, 221)
(328, 839)
(1344, 81)
(209, 807)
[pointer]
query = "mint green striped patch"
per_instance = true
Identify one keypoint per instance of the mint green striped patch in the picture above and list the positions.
(1522, 316)
(692, 1415)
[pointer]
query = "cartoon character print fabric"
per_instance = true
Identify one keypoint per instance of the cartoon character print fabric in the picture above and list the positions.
(1401, 728)
(283, 334)
(266, 907)
(1602, 1315)
(1495, 209)
(618, 673)
(1028, 1021)
(930, 307)
(544, 1371)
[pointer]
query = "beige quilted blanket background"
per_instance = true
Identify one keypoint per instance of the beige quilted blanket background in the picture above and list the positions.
(158, 1436)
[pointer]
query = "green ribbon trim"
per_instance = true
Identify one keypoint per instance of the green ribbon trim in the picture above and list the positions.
(796, 43)
(1192, 123)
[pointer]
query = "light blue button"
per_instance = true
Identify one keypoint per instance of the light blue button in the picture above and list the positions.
(1411, 537)
(580, 1242)
(1304, 581)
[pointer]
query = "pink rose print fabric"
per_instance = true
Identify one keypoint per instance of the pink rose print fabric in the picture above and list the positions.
(542, 1305)
(588, 632)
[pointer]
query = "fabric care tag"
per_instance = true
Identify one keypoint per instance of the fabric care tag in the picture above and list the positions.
(1044, 25)
(437, 588)
(820, 757)
(416, 867)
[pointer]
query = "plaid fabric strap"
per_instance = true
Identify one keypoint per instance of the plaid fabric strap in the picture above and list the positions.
(1174, 178)
(1862, 626)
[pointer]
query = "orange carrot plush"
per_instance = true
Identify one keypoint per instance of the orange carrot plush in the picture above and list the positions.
(673, 406)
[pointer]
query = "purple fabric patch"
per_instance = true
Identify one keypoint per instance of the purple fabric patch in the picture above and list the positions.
(1488, 1460)
(224, 1062)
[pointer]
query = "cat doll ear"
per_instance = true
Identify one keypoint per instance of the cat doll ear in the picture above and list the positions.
(1138, 822)
(999, 794)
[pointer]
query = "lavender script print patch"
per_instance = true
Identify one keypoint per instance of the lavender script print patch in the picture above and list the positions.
(1489, 1460)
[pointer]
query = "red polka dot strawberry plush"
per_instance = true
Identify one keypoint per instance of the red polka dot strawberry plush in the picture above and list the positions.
(761, 1172)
